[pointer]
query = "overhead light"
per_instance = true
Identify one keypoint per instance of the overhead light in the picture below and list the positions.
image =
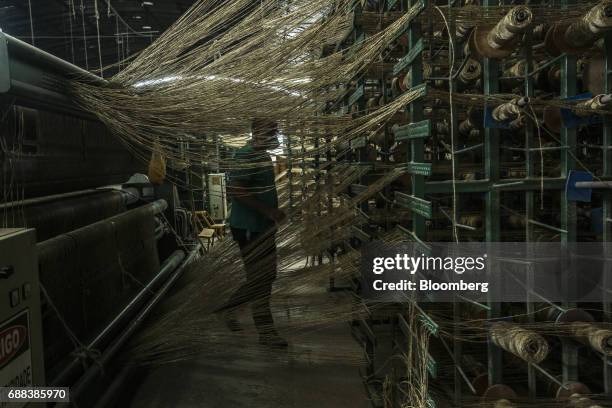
(137, 17)
(147, 3)
(146, 27)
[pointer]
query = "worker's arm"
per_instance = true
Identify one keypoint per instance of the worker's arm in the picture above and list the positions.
(239, 192)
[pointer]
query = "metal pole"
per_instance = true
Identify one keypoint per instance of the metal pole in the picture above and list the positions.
(94, 370)
(168, 266)
(593, 184)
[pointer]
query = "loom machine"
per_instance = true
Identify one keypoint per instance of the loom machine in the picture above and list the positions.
(512, 145)
(85, 248)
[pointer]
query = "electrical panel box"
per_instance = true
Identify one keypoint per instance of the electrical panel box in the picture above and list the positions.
(217, 196)
(21, 346)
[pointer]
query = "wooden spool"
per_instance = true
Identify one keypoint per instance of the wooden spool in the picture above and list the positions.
(497, 393)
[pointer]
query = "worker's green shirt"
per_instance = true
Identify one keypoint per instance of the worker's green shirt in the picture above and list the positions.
(260, 184)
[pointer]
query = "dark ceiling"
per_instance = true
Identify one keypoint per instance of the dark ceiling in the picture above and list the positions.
(68, 29)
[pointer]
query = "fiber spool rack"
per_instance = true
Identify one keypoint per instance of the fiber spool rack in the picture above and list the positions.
(506, 139)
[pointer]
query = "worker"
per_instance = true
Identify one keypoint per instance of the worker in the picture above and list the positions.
(253, 221)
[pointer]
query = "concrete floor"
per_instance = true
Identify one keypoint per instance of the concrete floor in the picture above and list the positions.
(270, 379)
(320, 369)
(262, 382)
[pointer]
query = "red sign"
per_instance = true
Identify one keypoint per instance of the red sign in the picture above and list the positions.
(11, 340)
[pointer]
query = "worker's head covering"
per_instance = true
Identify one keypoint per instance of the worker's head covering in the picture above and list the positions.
(265, 132)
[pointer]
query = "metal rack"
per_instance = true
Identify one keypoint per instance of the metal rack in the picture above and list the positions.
(494, 187)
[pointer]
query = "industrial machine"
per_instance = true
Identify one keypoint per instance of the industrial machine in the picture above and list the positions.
(217, 196)
(21, 348)
(51, 145)
(96, 255)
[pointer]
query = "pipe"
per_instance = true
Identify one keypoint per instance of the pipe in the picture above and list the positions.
(59, 214)
(48, 61)
(46, 199)
(594, 184)
(48, 245)
(168, 266)
(94, 370)
(129, 197)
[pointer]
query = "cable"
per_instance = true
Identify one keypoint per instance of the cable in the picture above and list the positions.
(31, 21)
(84, 35)
(451, 48)
(97, 15)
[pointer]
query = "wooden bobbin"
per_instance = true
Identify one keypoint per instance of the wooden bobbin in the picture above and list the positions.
(500, 396)
(571, 388)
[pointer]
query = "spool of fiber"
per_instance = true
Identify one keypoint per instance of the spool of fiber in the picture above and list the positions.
(599, 338)
(525, 344)
(471, 72)
(580, 401)
(513, 24)
(500, 40)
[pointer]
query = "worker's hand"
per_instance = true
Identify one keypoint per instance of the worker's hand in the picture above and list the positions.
(277, 215)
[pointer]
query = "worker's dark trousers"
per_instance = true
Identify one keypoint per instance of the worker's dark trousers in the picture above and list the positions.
(258, 252)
